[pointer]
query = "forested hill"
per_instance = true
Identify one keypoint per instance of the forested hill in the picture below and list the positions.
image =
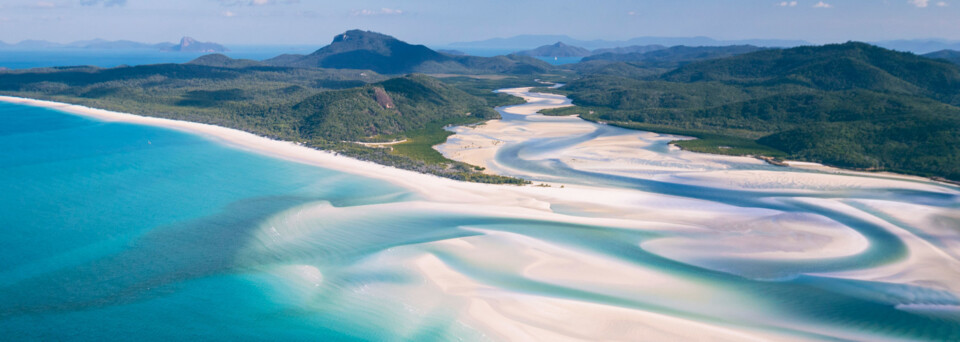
(386, 108)
(325, 108)
(953, 56)
(675, 56)
(356, 49)
(850, 105)
(656, 61)
(220, 60)
(556, 50)
(831, 68)
(630, 49)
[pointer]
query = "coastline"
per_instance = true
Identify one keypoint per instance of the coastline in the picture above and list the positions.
(775, 161)
(525, 201)
(480, 149)
(281, 149)
(507, 314)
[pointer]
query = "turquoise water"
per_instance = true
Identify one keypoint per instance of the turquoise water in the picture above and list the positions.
(112, 228)
(119, 231)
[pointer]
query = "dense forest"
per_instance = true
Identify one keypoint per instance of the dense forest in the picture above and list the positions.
(675, 56)
(333, 99)
(356, 49)
(851, 105)
(647, 61)
(951, 56)
(323, 108)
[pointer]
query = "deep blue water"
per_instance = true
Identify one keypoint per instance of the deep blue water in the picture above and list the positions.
(25, 59)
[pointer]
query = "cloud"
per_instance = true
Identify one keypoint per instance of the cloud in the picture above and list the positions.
(105, 3)
(631, 13)
(919, 3)
(822, 5)
(787, 4)
(382, 11)
(942, 4)
(229, 14)
(44, 4)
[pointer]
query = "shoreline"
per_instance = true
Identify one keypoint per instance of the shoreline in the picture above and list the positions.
(281, 149)
(783, 163)
(691, 222)
(832, 169)
(525, 201)
(430, 187)
(482, 152)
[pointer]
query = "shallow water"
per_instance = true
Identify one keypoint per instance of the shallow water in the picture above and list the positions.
(115, 229)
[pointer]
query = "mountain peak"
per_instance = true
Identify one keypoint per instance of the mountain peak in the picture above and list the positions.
(366, 50)
(360, 35)
(559, 49)
(187, 41)
(188, 44)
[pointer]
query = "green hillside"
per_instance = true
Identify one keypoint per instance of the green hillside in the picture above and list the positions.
(675, 56)
(387, 108)
(559, 49)
(952, 56)
(366, 50)
(325, 108)
(850, 105)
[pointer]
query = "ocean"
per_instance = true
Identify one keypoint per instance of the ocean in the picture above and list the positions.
(114, 229)
(122, 231)
(27, 59)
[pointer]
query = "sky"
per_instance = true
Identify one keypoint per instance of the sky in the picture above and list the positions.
(437, 22)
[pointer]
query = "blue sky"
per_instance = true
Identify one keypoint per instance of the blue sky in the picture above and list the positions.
(443, 21)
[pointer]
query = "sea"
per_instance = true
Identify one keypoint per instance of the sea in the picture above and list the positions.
(114, 229)
(118, 231)
(41, 58)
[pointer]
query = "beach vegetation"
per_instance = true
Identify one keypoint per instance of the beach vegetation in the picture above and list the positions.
(850, 105)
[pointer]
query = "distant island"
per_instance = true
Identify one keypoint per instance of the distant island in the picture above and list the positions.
(559, 49)
(349, 100)
(851, 105)
(919, 46)
(452, 52)
(357, 49)
(525, 42)
(629, 49)
(186, 44)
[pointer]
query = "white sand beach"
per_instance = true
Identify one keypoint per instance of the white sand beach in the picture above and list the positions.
(693, 229)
